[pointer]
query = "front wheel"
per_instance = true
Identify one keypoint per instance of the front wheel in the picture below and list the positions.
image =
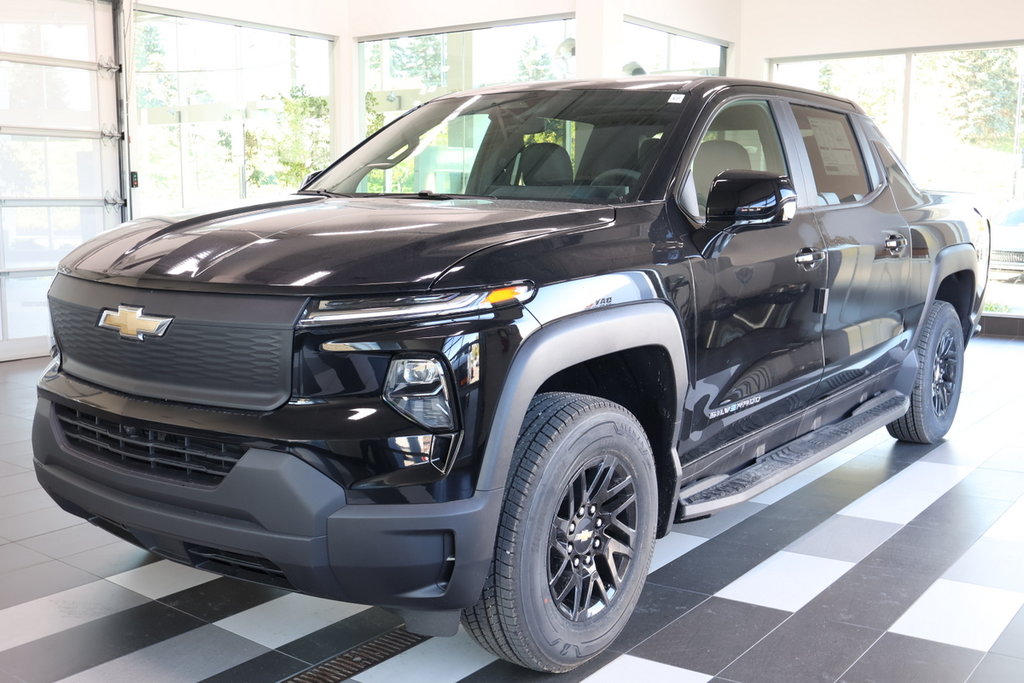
(575, 537)
(940, 373)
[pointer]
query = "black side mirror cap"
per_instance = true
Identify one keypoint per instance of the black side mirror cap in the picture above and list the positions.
(311, 177)
(740, 198)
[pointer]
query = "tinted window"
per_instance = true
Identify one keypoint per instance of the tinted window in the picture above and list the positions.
(835, 157)
(742, 135)
(577, 145)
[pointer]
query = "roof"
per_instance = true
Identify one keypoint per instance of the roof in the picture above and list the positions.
(666, 82)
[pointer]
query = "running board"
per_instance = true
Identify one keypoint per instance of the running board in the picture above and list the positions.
(705, 497)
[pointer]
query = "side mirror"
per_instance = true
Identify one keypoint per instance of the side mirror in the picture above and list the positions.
(741, 198)
(311, 177)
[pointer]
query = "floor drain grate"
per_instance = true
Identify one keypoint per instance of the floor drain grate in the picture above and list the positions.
(360, 658)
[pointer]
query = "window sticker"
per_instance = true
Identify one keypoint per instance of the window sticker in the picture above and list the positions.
(675, 98)
(834, 145)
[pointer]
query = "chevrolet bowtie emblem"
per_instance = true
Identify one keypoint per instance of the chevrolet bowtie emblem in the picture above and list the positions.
(584, 535)
(132, 324)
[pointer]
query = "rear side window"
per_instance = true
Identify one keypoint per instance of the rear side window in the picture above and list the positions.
(836, 159)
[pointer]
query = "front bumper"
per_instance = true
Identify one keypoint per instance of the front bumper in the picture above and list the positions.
(278, 520)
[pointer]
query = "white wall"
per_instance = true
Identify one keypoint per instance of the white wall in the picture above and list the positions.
(325, 17)
(772, 29)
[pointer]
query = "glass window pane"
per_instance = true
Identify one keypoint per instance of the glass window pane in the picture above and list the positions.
(246, 114)
(400, 73)
(650, 50)
(38, 167)
(25, 305)
(875, 83)
(835, 156)
(39, 236)
(48, 97)
(49, 28)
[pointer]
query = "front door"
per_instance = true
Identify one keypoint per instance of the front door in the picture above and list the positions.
(758, 353)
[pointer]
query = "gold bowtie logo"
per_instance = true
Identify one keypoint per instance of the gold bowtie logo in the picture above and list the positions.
(584, 535)
(132, 324)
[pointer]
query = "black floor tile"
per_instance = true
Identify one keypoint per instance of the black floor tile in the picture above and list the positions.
(803, 649)
(38, 580)
(91, 644)
(872, 597)
(927, 550)
(343, 635)
(912, 660)
(710, 567)
(710, 636)
(221, 598)
(956, 513)
(998, 669)
(270, 666)
(657, 608)
(503, 672)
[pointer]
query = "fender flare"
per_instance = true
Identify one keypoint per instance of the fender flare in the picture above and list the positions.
(567, 342)
(952, 259)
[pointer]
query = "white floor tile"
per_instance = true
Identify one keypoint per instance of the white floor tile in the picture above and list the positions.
(962, 614)
(991, 562)
(1009, 527)
(673, 546)
(161, 578)
(629, 668)
(785, 581)
(287, 618)
(908, 493)
(438, 660)
(840, 537)
(42, 617)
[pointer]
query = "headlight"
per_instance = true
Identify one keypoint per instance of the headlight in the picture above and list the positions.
(442, 304)
(418, 389)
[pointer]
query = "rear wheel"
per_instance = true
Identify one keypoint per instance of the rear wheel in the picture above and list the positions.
(575, 538)
(940, 372)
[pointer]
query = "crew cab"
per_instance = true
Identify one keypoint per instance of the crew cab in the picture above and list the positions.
(473, 369)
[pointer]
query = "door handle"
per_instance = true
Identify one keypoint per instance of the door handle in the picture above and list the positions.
(895, 244)
(809, 258)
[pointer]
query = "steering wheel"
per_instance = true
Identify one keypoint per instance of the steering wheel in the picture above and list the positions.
(616, 176)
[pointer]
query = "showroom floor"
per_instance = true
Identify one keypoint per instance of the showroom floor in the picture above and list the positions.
(885, 562)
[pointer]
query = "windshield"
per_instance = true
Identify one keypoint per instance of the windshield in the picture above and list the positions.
(573, 145)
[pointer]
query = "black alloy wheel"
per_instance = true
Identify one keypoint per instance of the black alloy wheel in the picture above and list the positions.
(575, 537)
(592, 537)
(940, 373)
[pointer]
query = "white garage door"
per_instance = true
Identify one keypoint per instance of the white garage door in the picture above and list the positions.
(59, 152)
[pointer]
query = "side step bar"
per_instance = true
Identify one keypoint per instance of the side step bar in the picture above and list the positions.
(711, 495)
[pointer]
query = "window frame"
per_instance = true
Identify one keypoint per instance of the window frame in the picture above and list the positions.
(775, 110)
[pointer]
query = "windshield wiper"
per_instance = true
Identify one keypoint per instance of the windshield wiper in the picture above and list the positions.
(429, 194)
(323, 193)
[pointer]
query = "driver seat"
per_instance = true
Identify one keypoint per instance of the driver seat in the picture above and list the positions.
(544, 163)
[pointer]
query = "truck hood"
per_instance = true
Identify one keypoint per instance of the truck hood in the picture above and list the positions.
(305, 244)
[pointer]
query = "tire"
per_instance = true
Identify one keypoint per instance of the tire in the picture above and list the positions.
(555, 598)
(940, 373)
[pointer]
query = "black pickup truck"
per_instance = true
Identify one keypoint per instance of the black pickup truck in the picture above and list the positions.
(479, 364)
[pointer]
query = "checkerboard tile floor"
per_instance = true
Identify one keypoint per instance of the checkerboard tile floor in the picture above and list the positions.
(886, 562)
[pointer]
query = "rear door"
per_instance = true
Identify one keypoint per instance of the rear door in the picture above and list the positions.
(757, 351)
(868, 245)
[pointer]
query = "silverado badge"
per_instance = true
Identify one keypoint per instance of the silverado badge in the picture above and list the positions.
(132, 324)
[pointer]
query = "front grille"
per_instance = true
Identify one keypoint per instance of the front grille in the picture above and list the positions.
(177, 457)
(229, 351)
